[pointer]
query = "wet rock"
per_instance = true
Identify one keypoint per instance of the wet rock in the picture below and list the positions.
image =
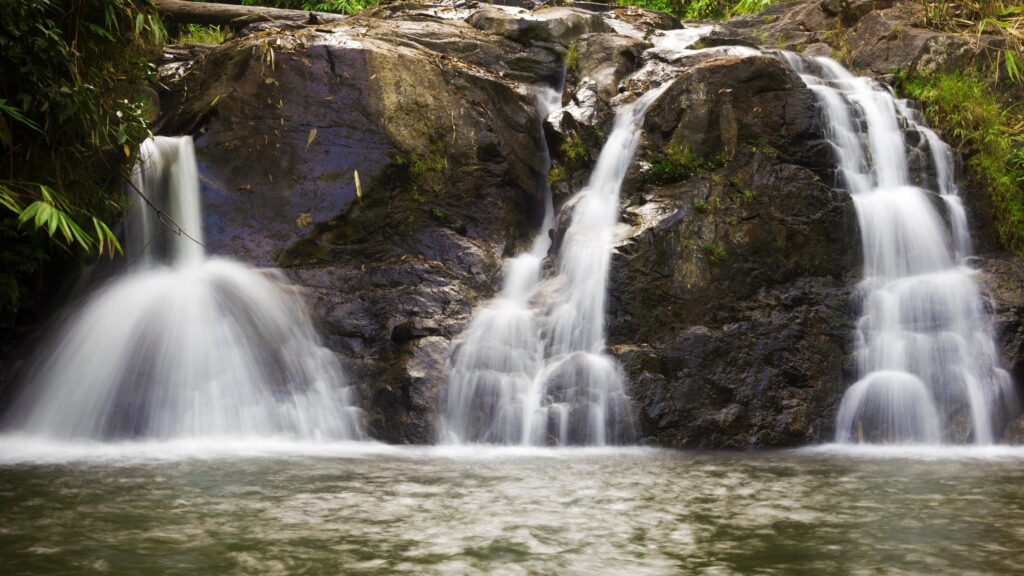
(607, 59)
(646, 20)
(732, 295)
(1002, 277)
(449, 166)
(716, 106)
(737, 278)
(559, 24)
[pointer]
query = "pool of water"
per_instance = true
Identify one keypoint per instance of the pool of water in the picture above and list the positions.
(266, 507)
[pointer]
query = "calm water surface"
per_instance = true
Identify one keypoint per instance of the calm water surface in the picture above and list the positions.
(276, 508)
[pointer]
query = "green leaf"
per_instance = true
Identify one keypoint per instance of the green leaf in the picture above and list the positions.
(7, 200)
(17, 115)
(54, 220)
(100, 31)
(29, 212)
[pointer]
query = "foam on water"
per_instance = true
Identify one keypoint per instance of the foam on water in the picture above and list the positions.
(26, 449)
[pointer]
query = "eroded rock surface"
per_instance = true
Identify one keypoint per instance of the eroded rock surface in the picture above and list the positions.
(732, 289)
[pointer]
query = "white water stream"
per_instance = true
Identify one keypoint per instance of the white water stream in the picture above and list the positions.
(182, 346)
(926, 356)
(531, 368)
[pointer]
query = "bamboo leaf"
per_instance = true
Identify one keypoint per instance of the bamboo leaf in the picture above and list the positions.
(42, 214)
(65, 230)
(53, 222)
(7, 200)
(28, 213)
(100, 31)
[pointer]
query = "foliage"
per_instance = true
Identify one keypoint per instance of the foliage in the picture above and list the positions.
(199, 34)
(556, 175)
(715, 252)
(574, 149)
(335, 6)
(571, 56)
(702, 9)
(991, 135)
(71, 117)
(677, 163)
(422, 173)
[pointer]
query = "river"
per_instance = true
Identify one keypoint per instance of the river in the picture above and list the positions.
(269, 507)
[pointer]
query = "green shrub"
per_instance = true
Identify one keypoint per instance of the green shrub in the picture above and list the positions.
(199, 34)
(702, 9)
(675, 164)
(574, 149)
(571, 56)
(715, 252)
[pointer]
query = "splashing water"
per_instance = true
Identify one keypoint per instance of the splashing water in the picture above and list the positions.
(523, 375)
(928, 366)
(184, 346)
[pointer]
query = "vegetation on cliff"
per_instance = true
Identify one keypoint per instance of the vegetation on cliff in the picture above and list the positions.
(336, 6)
(702, 9)
(71, 117)
(980, 109)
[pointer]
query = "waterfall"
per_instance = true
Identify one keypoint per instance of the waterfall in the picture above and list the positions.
(531, 368)
(925, 351)
(181, 345)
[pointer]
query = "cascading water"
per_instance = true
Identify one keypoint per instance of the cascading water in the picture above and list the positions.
(925, 351)
(193, 347)
(537, 374)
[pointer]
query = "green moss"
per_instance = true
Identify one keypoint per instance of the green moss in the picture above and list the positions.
(556, 175)
(572, 57)
(423, 172)
(677, 163)
(574, 149)
(990, 134)
(714, 251)
(711, 204)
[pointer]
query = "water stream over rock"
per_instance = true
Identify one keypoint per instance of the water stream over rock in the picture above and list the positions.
(926, 357)
(182, 345)
(538, 374)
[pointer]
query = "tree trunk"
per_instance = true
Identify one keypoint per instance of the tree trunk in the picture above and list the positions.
(183, 12)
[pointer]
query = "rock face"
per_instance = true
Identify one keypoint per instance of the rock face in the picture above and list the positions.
(732, 289)
(874, 37)
(447, 146)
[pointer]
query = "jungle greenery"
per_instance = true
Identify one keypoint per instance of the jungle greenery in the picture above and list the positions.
(335, 6)
(702, 9)
(71, 117)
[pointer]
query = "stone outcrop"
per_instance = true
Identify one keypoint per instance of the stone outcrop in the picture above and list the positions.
(432, 115)
(731, 292)
(732, 289)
